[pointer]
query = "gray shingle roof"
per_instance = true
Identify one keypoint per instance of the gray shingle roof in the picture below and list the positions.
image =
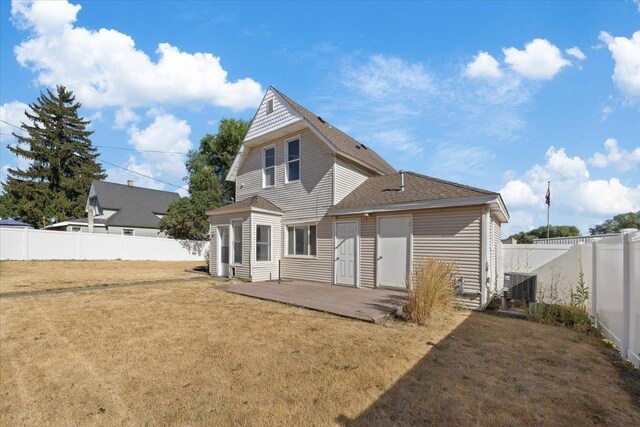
(343, 142)
(136, 206)
(384, 190)
(246, 204)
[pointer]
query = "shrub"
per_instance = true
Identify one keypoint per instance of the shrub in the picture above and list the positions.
(431, 289)
(573, 316)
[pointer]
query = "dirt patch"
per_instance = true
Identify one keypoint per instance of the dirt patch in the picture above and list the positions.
(195, 355)
(21, 276)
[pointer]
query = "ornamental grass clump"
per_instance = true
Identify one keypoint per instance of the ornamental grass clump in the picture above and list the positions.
(431, 289)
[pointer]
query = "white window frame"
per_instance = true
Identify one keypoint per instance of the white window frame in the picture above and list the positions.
(76, 229)
(133, 232)
(270, 105)
(270, 243)
(286, 240)
(287, 161)
(264, 165)
(232, 238)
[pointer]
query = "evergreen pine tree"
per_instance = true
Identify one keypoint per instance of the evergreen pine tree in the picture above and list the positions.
(62, 161)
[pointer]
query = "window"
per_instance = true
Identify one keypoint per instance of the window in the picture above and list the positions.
(263, 243)
(236, 226)
(75, 229)
(293, 160)
(127, 231)
(269, 167)
(270, 106)
(302, 240)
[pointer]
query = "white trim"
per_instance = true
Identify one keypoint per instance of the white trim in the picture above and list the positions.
(409, 270)
(356, 271)
(67, 223)
(485, 256)
(286, 158)
(426, 204)
(213, 212)
(219, 250)
(270, 243)
(333, 187)
(232, 248)
(264, 165)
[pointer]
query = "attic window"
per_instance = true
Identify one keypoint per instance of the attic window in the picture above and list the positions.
(270, 106)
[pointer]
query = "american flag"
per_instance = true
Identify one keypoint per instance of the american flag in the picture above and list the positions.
(547, 197)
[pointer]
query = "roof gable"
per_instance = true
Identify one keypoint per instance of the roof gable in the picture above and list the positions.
(286, 114)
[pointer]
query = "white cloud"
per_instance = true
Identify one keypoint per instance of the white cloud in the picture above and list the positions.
(622, 160)
(576, 53)
(398, 140)
(518, 194)
(165, 134)
(12, 112)
(383, 75)
(121, 176)
(540, 60)
(123, 116)
(573, 193)
(483, 66)
(104, 68)
(626, 54)
(606, 111)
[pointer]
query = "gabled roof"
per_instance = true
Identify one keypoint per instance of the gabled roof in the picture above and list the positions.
(10, 222)
(293, 117)
(381, 193)
(343, 142)
(255, 203)
(135, 206)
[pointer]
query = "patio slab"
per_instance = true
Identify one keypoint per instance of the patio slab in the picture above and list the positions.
(370, 305)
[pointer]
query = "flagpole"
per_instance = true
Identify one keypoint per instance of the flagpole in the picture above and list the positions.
(548, 206)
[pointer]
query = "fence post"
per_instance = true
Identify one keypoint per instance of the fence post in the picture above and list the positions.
(626, 291)
(594, 280)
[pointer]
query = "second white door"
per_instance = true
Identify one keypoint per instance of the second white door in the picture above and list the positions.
(346, 253)
(394, 243)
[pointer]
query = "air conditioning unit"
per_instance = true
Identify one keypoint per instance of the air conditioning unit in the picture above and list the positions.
(521, 286)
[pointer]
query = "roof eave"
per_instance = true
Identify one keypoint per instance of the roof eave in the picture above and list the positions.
(416, 205)
(214, 212)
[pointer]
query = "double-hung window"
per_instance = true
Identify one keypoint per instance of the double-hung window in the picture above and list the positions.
(236, 226)
(293, 160)
(301, 240)
(269, 167)
(263, 243)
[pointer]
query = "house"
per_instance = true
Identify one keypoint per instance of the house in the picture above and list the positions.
(12, 223)
(314, 204)
(121, 209)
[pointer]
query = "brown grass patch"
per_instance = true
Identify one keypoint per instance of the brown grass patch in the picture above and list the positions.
(24, 276)
(195, 355)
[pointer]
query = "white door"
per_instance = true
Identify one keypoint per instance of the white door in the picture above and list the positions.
(394, 240)
(345, 265)
(223, 251)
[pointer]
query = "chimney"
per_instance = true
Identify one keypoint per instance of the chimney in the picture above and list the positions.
(130, 183)
(401, 180)
(90, 218)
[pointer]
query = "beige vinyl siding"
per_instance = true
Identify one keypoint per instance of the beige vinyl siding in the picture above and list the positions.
(264, 123)
(307, 199)
(368, 233)
(243, 271)
(455, 234)
(496, 250)
(320, 268)
(347, 178)
(266, 270)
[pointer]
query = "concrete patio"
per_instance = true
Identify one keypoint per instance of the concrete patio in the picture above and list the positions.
(370, 305)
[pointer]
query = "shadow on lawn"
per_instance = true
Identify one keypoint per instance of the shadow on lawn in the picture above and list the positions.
(498, 371)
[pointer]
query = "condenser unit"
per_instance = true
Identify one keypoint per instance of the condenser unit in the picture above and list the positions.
(521, 286)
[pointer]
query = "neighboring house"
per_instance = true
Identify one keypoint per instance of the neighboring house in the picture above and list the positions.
(12, 223)
(312, 203)
(121, 209)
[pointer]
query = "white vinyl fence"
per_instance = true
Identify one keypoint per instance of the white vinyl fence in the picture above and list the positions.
(26, 244)
(610, 270)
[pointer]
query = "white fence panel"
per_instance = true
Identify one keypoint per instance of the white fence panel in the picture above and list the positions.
(25, 244)
(609, 287)
(526, 258)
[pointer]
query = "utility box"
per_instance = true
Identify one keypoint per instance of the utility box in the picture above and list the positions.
(522, 286)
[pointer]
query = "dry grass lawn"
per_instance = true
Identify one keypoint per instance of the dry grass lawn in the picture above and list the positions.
(20, 276)
(192, 354)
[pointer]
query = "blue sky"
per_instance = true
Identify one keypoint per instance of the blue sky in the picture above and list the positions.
(503, 96)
